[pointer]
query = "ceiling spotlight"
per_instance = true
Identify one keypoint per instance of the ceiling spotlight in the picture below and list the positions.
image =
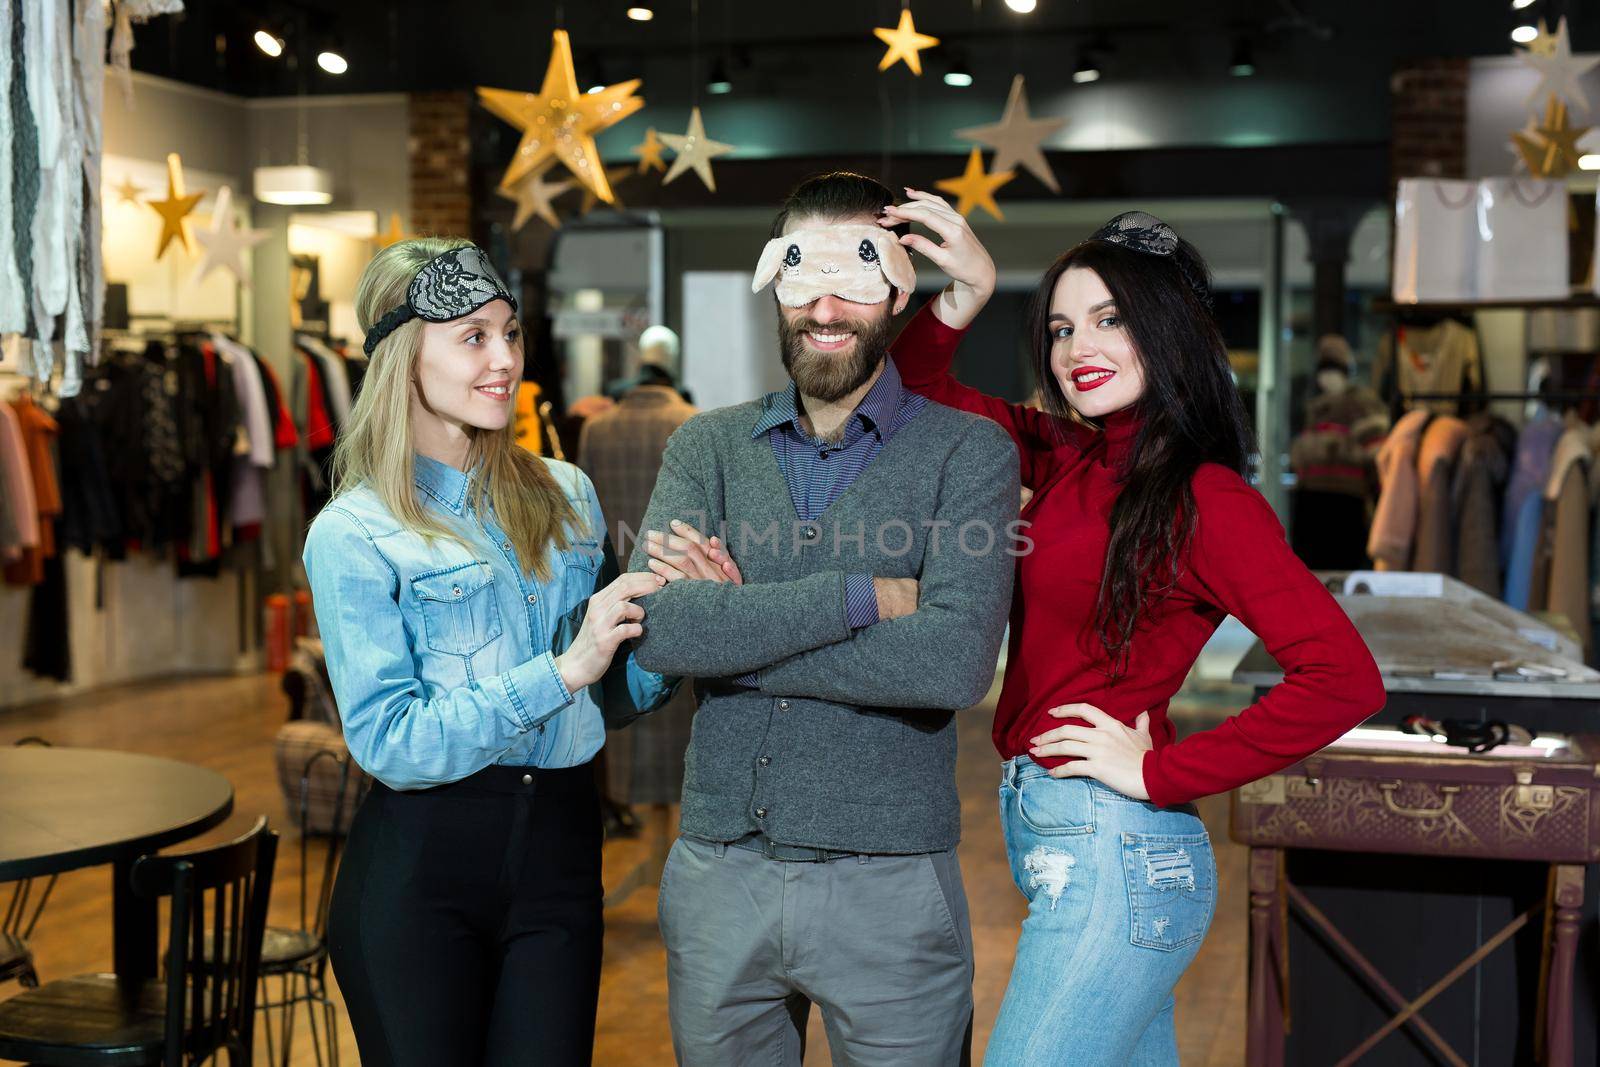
(719, 83)
(269, 43)
(1518, 5)
(332, 62)
(1087, 69)
(1524, 35)
(595, 89)
(1022, 7)
(1242, 65)
(958, 76)
(641, 14)
(1589, 162)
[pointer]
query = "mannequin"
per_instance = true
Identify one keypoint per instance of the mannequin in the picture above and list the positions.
(1332, 460)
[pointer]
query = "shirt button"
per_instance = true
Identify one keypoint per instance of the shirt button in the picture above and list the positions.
(810, 533)
(533, 598)
(527, 779)
(764, 760)
(761, 813)
(506, 545)
(456, 590)
(783, 705)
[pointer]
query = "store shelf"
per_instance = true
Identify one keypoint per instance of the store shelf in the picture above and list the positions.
(1573, 303)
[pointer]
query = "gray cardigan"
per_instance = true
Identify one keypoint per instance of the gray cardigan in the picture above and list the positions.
(850, 741)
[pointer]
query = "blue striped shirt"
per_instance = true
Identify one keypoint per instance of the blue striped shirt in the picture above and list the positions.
(818, 472)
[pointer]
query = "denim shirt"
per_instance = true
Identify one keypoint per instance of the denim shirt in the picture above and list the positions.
(440, 653)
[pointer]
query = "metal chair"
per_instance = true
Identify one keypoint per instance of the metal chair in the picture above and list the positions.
(21, 916)
(202, 1006)
(298, 958)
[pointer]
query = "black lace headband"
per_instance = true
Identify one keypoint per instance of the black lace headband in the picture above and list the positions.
(1140, 231)
(448, 286)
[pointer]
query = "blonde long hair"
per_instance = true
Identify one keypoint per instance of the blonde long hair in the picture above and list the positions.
(375, 449)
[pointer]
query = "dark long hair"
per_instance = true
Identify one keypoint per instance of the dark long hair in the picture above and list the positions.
(1190, 413)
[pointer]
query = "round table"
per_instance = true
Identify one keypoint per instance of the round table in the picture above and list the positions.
(66, 808)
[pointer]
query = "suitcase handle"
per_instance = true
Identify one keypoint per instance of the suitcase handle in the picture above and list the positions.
(1449, 792)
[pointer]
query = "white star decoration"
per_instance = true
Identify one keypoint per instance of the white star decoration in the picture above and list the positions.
(1016, 138)
(694, 149)
(533, 195)
(224, 243)
(1559, 71)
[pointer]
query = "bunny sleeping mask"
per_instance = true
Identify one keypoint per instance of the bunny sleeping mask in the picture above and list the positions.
(855, 262)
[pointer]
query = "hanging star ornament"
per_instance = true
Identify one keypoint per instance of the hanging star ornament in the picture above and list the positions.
(975, 188)
(1017, 137)
(224, 243)
(694, 149)
(174, 210)
(1562, 138)
(1559, 71)
(1530, 148)
(905, 43)
(127, 192)
(649, 152)
(559, 122)
(393, 235)
(533, 196)
(616, 176)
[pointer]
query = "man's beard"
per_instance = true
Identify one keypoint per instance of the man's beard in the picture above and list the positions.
(830, 376)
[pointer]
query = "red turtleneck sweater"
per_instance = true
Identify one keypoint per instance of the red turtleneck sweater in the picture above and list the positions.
(1238, 564)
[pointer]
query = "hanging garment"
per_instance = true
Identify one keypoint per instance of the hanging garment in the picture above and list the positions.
(1394, 525)
(335, 378)
(284, 434)
(1443, 358)
(1481, 472)
(1529, 472)
(38, 430)
(1436, 464)
(18, 479)
(1566, 535)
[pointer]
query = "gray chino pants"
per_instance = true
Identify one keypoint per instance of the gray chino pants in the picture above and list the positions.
(882, 944)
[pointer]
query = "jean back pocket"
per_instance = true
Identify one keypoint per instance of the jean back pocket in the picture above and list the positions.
(1171, 888)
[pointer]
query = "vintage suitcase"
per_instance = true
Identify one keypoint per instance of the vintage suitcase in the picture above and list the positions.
(1372, 794)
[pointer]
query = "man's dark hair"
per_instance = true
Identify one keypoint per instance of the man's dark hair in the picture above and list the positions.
(836, 195)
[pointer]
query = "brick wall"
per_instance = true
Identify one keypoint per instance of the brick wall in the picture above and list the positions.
(1429, 137)
(440, 151)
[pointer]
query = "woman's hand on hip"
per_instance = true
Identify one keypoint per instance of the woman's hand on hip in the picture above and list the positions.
(1105, 750)
(612, 618)
(687, 553)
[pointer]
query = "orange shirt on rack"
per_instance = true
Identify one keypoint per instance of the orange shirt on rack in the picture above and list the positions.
(38, 428)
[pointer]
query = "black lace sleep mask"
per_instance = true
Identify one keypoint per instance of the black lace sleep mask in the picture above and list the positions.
(450, 285)
(1142, 232)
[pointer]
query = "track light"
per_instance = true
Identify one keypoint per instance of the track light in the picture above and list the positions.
(1022, 7)
(1087, 69)
(718, 83)
(1525, 35)
(269, 43)
(641, 14)
(1518, 5)
(1242, 65)
(332, 62)
(958, 76)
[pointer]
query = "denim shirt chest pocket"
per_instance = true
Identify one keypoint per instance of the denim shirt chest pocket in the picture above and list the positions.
(457, 605)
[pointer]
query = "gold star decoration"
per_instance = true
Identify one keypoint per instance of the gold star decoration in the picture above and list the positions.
(1016, 137)
(1544, 43)
(393, 235)
(225, 242)
(905, 43)
(174, 210)
(649, 152)
(1562, 138)
(128, 192)
(1530, 149)
(694, 149)
(616, 176)
(975, 188)
(533, 196)
(559, 121)
(1559, 71)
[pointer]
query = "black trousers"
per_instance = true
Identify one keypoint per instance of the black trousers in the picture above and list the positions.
(465, 926)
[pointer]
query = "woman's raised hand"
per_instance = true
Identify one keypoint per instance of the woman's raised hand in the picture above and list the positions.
(958, 253)
(611, 619)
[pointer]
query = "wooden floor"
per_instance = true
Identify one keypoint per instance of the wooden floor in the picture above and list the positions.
(228, 724)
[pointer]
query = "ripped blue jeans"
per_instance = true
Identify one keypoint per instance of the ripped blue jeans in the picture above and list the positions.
(1120, 895)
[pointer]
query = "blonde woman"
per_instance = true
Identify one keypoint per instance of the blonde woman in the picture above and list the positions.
(474, 633)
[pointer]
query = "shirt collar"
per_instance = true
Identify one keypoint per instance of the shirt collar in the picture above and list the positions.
(876, 410)
(442, 482)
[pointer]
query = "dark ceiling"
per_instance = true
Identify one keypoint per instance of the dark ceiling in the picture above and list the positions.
(810, 45)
